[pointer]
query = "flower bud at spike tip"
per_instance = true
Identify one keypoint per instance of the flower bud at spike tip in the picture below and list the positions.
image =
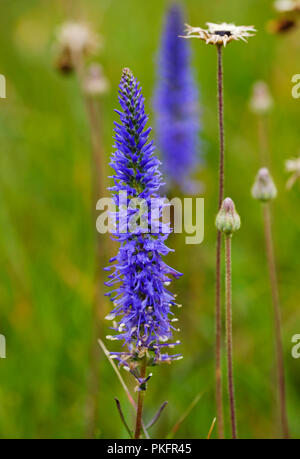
(264, 188)
(228, 220)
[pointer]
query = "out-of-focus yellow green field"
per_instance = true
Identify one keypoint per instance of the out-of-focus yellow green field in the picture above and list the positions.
(47, 248)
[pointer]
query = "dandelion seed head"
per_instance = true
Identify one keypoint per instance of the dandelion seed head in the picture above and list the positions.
(220, 34)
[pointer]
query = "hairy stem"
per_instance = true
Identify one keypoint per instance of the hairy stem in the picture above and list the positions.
(140, 404)
(221, 124)
(277, 319)
(219, 396)
(229, 337)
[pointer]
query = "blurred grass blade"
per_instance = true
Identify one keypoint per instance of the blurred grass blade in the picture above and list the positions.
(184, 415)
(211, 428)
(123, 417)
(102, 345)
(130, 398)
(157, 415)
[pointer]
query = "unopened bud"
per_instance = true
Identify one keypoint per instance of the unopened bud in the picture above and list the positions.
(264, 188)
(228, 220)
(261, 100)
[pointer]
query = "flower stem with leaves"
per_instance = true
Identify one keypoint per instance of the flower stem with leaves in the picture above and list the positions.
(139, 277)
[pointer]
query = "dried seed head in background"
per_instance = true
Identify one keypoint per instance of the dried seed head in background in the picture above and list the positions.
(74, 41)
(261, 101)
(264, 188)
(287, 6)
(220, 34)
(78, 38)
(293, 166)
(281, 25)
(289, 15)
(95, 82)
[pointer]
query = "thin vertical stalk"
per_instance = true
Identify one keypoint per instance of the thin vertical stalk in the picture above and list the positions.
(263, 140)
(140, 404)
(221, 124)
(102, 256)
(229, 337)
(219, 396)
(98, 190)
(277, 319)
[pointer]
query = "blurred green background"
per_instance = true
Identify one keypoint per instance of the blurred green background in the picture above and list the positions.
(47, 235)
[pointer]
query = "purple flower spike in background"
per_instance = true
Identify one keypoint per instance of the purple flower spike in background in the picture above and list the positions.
(176, 107)
(142, 316)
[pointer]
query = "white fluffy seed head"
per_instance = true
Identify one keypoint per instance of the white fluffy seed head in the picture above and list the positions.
(78, 38)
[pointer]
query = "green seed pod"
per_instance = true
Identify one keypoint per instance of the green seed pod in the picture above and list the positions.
(264, 188)
(228, 220)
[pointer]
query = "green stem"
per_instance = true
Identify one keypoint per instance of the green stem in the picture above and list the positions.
(140, 404)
